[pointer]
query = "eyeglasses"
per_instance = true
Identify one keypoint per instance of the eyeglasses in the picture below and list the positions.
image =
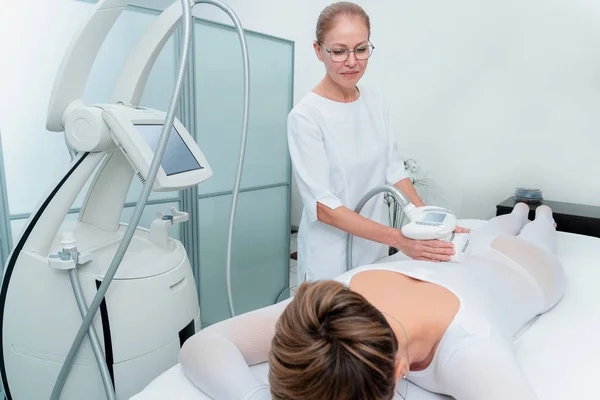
(340, 55)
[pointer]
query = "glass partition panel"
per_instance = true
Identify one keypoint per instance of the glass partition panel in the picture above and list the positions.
(260, 259)
(16, 227)
(260, 255)
(219, 106)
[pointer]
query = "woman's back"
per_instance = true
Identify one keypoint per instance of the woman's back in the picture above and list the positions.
(425, 309)
(488, 287)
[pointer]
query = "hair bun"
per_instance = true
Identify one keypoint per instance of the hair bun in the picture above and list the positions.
(331, 343)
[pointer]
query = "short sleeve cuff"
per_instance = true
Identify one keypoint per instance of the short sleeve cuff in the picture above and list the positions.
(396, 175)
(327, 200)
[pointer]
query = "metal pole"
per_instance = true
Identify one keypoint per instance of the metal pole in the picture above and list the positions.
(190, 231)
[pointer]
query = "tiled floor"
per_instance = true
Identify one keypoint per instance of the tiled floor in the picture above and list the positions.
(293, 263)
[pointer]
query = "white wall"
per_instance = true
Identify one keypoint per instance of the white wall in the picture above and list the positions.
(487, 96)
(31, 49)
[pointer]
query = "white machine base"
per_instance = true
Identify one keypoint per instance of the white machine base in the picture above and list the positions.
(150, 308)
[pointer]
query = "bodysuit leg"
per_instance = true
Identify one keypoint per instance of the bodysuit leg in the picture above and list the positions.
(541, 231)
(534, 249)
(502, 225)
(485, 367)
(507, 224)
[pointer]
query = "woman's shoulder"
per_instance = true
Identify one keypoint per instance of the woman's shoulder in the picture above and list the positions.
(372, 95)
(304, 115)
(307, 107)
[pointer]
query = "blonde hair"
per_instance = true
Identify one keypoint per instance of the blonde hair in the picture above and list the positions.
(330, 13)
(331, 343)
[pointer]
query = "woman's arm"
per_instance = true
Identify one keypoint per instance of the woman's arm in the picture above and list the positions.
(405, 186)
(312, 172)
(349, 221)
(218, 358)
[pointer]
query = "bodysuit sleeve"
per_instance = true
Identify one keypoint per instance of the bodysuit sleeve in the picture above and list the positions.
(311, 163)
(218, 358)
(485, 368)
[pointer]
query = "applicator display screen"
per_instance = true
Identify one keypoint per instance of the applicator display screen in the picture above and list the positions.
(177, 158)
(434, 217)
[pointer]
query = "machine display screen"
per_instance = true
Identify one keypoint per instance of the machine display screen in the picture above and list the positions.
(434, 217)
(177, 158)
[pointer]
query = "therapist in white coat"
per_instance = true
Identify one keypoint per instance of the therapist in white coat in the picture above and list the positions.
(342, 145)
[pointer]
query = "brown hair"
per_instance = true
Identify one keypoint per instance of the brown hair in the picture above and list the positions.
(331, 343)
(330, 13)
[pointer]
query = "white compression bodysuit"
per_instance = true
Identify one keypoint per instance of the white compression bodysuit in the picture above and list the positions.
(503, 285)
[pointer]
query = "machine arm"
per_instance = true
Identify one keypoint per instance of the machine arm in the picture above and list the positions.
(75, 67)
(107, 194)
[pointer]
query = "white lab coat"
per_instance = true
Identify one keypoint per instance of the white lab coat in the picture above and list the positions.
(340, 151)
